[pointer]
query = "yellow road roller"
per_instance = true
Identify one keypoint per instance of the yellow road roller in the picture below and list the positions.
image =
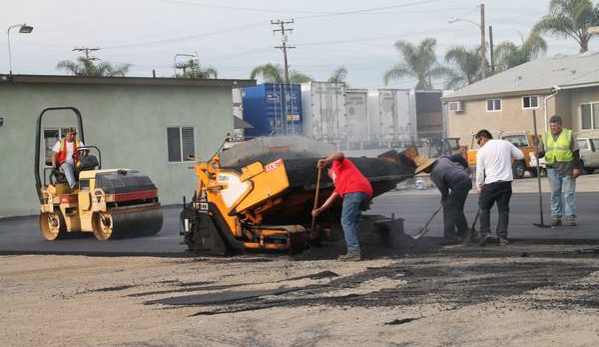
(110, 203)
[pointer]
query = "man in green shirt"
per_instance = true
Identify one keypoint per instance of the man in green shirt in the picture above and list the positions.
(560, 149)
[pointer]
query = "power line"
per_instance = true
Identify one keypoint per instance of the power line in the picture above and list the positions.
(180, 38)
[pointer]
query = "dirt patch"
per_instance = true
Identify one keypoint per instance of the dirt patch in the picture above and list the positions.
(436, 296)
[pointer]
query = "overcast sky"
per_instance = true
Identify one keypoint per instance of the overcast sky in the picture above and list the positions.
(235, 36)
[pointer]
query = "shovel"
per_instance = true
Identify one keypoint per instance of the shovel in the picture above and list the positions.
(472, 233)
(316, 198)
(418, 233)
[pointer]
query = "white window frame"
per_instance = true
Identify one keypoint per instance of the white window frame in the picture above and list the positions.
(593, 126)
(180, 127)
(494, 110)
(530, 96)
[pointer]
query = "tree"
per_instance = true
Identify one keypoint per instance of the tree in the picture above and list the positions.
(508, 54)
(419, 62)
(468, 66)
(338, 76)
(193, 69)
(570, 19)
(274, 73)
(85, 66)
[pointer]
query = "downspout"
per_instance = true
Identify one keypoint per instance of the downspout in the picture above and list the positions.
(555, 90)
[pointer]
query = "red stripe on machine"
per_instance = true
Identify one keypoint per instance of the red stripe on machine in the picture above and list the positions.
(146, 194)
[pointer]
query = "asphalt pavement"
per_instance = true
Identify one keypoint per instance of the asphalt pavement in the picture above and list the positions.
(21, 235)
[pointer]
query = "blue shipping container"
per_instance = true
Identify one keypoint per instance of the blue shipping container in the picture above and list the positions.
(273, 109)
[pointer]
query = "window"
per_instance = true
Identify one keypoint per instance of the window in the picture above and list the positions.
(589, 114)
(530, 102)
(493, 105)
(517, 140)
(181, 144)
(582, 144)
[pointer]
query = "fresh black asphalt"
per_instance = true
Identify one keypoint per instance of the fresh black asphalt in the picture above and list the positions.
(21, 235)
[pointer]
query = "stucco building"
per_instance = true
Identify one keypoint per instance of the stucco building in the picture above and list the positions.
(155, 125)
(564, 85)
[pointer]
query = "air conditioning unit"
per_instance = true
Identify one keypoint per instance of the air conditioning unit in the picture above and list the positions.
(456, 106)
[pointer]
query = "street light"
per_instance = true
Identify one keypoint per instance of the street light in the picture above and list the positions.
(483, 45)
(193, 56)
(23, 29)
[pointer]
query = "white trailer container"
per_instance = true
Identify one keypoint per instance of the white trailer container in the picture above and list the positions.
(323, 111)
(356, 105)
(237, 94)
(392, 115)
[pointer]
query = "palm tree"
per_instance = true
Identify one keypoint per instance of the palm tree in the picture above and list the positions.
(468, 63)
(570, 19)
(192, 69)
(85, 67)
(419, 62)
(338, 76)
(509, 54)
(274, 73)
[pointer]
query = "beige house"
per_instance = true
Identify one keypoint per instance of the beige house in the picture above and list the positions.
(563, 85)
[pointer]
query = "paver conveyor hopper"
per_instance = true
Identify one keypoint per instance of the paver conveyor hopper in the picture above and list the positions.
(111, 203)
(265, 204)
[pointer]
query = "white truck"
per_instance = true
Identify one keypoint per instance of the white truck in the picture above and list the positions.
(589, 153)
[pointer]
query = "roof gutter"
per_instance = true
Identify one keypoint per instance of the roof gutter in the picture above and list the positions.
(555, 90)
(582, 85)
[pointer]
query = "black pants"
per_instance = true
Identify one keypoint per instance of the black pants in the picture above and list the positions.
(454, 220)
(499, 192)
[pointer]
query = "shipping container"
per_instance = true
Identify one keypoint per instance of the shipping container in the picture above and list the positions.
(392, 116)
(324, 116)
(429, 111)
(273, 109)
(356, 105)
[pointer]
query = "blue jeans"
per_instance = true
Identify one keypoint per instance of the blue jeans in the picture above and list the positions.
(353, 204)
(69, 173)
(562, 184)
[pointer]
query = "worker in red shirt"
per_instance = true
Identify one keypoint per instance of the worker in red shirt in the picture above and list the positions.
(355, 190)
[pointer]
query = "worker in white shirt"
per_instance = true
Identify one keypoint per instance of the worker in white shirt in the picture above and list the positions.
(494, 182)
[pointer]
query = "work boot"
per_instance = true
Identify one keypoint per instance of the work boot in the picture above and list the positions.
(485, 238)
(350, 257)
(503, 241)
(571, 221)
(555, 222)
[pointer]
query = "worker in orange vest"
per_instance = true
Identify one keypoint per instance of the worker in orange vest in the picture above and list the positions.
(64, 155)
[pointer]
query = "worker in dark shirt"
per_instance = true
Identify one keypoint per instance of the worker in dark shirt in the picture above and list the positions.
(451, 175)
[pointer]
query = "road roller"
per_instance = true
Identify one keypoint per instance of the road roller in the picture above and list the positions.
(110, 203)
(263, 202)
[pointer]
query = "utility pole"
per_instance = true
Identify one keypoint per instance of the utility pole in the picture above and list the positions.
(491, 49)
(283, 46)
(483, 53)
(87, 50)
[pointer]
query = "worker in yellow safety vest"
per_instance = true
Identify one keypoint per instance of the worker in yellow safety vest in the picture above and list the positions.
(561, 152)
(64, 155)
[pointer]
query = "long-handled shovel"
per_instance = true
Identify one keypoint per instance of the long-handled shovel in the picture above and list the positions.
(472, 233)
(421, 231)
(316, 198)
(534, 121)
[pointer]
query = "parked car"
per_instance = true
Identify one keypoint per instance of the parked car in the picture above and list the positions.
(524, 141)
(589, 153)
